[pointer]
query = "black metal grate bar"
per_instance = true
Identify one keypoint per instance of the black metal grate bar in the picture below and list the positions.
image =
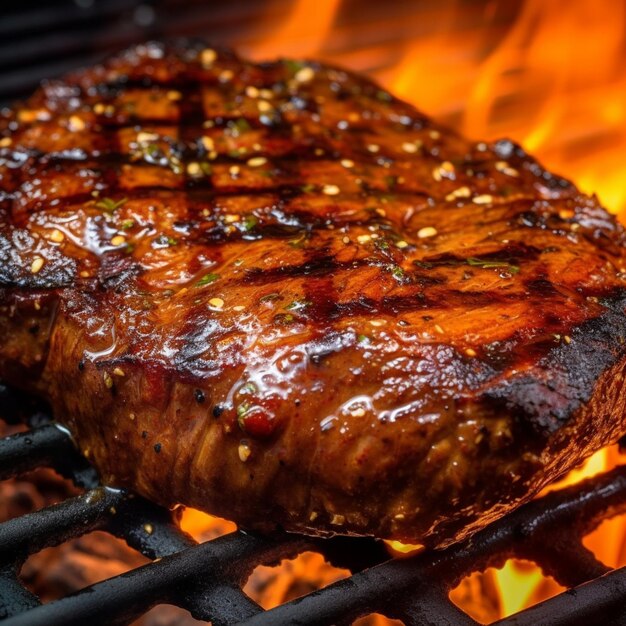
(48, 445)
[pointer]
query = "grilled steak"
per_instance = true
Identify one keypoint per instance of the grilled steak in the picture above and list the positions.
(276, 293)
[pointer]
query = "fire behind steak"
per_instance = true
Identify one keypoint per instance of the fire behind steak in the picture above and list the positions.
(276, 293)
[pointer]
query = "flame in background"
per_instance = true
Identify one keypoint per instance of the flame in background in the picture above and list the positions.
(554, 82)
(303, 31)
(551, 79)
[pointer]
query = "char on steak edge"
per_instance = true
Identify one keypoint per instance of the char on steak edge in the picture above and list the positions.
(276, 293)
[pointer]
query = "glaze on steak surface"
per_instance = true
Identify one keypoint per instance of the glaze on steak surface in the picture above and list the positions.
(276, 293)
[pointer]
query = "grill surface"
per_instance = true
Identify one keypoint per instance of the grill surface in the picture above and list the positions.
(207, 578)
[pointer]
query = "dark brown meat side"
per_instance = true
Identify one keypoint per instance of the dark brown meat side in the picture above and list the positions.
(276, 293)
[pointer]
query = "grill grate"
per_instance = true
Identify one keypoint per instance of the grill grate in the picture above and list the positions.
(41, 40)
(207, 578)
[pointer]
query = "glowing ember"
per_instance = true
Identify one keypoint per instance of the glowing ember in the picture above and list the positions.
(203, 526)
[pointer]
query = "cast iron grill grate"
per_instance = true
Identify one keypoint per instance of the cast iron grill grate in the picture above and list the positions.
(207, 578)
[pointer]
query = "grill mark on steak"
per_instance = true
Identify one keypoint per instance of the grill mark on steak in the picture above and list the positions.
(282, 156)
(397, 332)
(104, 158)
(208, 192)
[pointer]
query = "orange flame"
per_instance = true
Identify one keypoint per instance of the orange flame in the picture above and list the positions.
(302, 33)
(554, 83)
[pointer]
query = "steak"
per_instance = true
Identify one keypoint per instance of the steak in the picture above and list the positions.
(276, 293)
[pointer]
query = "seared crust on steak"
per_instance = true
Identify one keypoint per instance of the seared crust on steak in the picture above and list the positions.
(276, 293)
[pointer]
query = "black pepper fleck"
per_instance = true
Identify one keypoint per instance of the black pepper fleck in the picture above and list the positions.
(218, 409)
(81, 366)
(144, 434)
(199, 395)
(157, 447)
